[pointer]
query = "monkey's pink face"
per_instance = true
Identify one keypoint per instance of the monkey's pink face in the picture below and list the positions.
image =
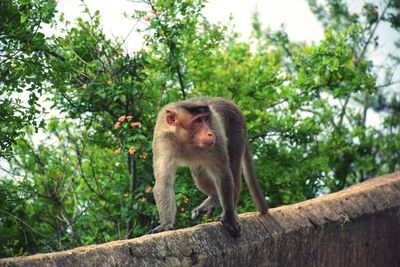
(203, 136)
(193, 129)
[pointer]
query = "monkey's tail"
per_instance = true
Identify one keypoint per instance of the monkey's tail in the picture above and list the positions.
(251, 181)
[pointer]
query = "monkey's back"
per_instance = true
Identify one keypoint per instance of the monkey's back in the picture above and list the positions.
(229, 112)
(234, 122)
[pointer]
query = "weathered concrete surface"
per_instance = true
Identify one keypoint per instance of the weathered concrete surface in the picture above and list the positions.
(359, 226)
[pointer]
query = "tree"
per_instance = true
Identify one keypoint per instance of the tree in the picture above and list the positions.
(23, 52)
(377, 144)
(71, 186)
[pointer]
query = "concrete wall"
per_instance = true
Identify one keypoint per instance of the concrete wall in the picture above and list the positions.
(359, 226)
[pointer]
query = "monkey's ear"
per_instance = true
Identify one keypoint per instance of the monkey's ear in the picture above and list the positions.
(171, 117)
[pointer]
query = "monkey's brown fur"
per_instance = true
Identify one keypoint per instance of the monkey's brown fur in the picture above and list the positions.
(216, 170)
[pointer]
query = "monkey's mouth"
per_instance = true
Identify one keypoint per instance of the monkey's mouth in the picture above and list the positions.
(206, 145)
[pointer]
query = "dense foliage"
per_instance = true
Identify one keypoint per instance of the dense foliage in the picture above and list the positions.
(90, 180)
(23, 48)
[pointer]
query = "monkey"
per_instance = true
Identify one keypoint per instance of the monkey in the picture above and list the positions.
(209, 136)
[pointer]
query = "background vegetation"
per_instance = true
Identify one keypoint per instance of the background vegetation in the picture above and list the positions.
(90, 180)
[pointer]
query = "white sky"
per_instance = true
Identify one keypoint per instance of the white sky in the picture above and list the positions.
(295, 15)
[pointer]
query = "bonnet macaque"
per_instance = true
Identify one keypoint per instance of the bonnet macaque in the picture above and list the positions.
(209, 136)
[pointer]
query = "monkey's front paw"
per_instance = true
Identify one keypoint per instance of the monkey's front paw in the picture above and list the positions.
(160, 228)
(232, 226)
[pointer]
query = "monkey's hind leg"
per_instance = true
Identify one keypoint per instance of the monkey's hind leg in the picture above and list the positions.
(206, 207)
(207, 186)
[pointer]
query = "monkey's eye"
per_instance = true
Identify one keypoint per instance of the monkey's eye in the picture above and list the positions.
(198, 120)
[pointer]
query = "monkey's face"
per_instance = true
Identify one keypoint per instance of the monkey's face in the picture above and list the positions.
(194, 130)
(201, 133)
